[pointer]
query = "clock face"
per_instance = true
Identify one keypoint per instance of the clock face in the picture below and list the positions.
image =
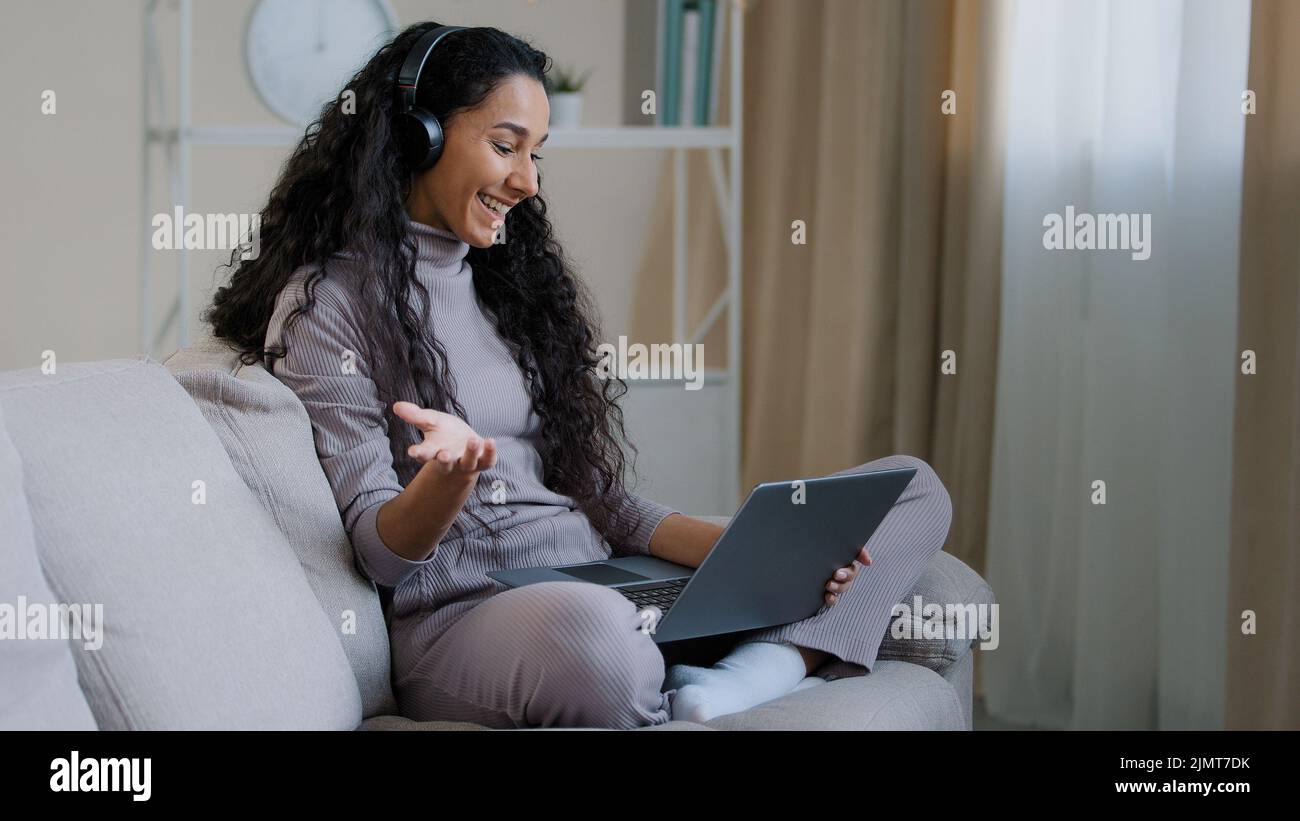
(301, 52)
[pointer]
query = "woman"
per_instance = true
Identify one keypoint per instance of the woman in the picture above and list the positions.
(452, 390)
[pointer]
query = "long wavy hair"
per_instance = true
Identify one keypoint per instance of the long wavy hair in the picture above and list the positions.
(345, 187)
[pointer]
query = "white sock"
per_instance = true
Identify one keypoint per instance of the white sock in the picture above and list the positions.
(811, 681)
(752, 673)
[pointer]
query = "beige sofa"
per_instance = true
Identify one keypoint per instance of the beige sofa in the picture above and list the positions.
(184, 498)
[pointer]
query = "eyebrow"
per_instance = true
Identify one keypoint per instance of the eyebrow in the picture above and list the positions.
(518, 130)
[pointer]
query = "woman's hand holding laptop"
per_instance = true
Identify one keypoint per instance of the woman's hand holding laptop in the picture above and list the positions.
(845, 576)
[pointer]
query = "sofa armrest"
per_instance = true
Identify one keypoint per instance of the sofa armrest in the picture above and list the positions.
(966, 612)
(965, 598)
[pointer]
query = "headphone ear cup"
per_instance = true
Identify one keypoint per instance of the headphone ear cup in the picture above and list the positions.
(420, 136)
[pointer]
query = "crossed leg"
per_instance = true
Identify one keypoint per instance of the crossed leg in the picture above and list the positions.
(909, 536)
(553, 654)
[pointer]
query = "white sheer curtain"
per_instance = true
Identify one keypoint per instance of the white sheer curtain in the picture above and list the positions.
(1115, 369)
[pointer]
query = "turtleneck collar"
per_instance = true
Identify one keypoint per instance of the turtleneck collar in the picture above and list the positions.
(438, 253)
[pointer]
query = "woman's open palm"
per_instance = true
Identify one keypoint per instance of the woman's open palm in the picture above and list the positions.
(449, 442)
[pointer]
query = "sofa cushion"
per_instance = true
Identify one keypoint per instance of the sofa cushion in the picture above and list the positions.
(964, 598)
(38, 679)
(208, 619)
(405, 724)
(268, 436)
(895, 695)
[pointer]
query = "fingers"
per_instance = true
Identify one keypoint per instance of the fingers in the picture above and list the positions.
(480, 454)
(489, 455)
(423, 452)
(416, 415)
(442, 458)
(841, 580)
(476, 455)
(837, 587)
(864, 556)
(442, 461)
(468, 460)
(406, 410)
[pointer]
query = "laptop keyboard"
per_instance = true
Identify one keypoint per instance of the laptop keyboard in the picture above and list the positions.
(661, 596)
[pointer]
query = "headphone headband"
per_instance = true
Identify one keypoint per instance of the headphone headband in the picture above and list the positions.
(409, 77)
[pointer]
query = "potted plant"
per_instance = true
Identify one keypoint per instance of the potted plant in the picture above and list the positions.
(566, 97)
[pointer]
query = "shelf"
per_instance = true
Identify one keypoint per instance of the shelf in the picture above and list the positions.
(252, 135)
(631, 136)
(642, 136)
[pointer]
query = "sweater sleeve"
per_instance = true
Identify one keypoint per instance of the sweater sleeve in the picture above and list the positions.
(650, 515)
(325, 366)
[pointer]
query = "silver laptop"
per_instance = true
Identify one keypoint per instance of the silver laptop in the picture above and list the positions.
(769, 567)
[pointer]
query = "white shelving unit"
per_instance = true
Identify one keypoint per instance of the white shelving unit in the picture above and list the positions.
(180, 137)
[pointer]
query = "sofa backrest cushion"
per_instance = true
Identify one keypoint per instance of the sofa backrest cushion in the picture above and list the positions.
(38, 679)
(267, 434)
(209, 622)
(961, 613)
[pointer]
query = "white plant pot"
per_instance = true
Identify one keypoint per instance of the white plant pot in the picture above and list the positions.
(566, 109)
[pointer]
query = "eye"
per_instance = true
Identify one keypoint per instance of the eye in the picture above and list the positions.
(507, 150)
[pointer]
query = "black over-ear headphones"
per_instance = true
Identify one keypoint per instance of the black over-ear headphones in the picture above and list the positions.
(419, 134)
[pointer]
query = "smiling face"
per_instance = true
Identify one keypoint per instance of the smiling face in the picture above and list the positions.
(488, 163)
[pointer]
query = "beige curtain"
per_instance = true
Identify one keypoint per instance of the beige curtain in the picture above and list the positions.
(843, 335)
(1263, 673)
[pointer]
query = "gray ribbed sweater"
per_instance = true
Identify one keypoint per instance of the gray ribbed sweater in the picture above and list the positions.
(537, 526)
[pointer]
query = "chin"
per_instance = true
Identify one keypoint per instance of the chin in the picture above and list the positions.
(479, 239)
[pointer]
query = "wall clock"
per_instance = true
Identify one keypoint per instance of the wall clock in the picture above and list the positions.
(301, 52)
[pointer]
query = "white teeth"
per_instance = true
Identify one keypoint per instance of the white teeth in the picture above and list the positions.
(496, 205)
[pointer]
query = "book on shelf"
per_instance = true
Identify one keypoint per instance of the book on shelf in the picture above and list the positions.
(719, 26)
(690, 55)
(641, 60)
(675, 48)
(705, 58)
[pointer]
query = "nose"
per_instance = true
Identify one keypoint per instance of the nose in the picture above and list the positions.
(523, 181)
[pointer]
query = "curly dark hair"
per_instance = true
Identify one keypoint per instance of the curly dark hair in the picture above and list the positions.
(346, 185)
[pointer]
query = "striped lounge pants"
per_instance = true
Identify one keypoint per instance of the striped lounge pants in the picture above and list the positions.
(565, 654)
